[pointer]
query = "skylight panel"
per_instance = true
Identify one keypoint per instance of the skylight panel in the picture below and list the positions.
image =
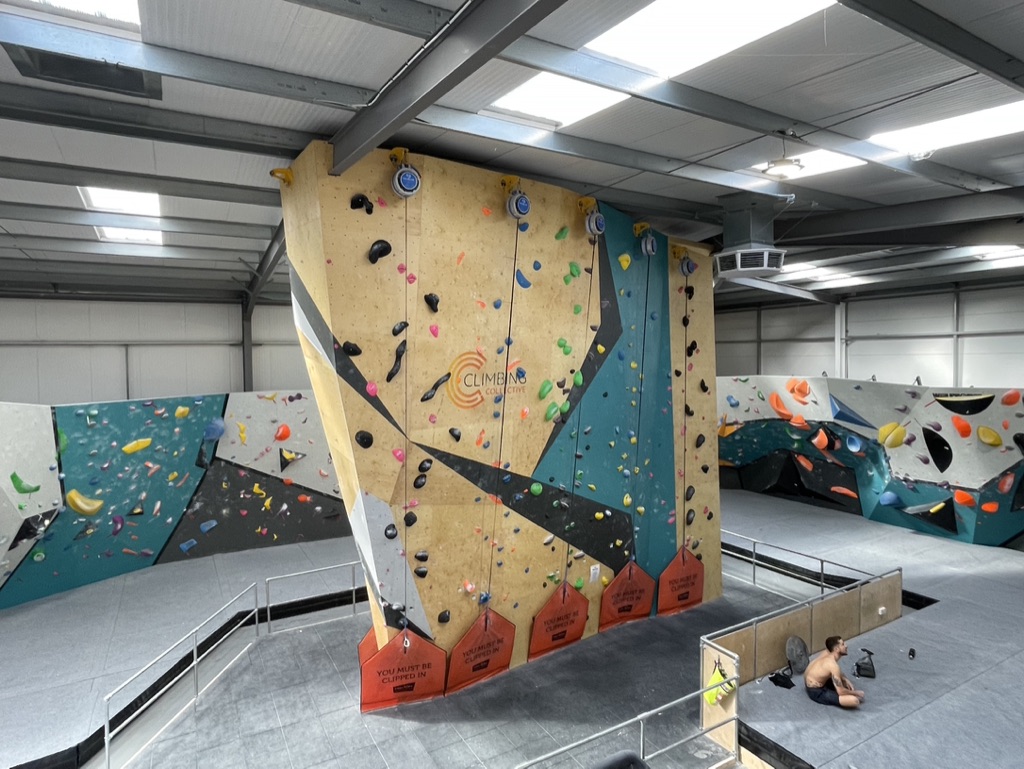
(127, 235)
(670, 37)
(119, 11)
(921, 141)
(559, 100)
(812, 164)
(121, 201)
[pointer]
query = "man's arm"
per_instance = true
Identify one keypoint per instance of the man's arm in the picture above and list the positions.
(842, 683)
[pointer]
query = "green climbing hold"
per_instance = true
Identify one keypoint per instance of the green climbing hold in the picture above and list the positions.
(536, 489)
(21, 487)
(567, 279)
(578, 584)
(577, 379)
(577, 309)
(760, 395)
(564, 408)
(561, 341)
(562, 234)
(574, 269)
(62, 441)
(550, 413)
(567, 349)
(545, 389)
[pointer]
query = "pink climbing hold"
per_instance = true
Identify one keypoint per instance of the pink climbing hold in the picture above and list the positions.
(434, 330)
(410, 278)
(399, 454)
(371, 389)
(432, 419)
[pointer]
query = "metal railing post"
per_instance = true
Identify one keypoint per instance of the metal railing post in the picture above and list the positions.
(821, 575)
(106, 734)
(753, 561)
(195, 663)
(353, 589)
(256, 608)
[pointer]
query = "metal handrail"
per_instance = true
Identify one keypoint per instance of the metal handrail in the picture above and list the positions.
(193, 666)
(351, 564)
(642, 718)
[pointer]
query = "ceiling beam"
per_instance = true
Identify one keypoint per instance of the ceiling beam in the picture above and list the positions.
(929, 28)
(272, 256)
(87, 113)
(927, 213)
(108, 248)
(420, 19)
(985, 233)
(920, 276)
(25, 212)
(82, 176)
(106, 49)
(784, 289)
(450, 57)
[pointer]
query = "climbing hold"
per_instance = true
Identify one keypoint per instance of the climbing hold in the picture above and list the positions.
(892, 435)
(379, 250)
(456, 433)
(433, 390)
(577, 379)
(989, 437)
(820, 440)
(420, 571)
(21, 486)
(444, 617)
(890, 499)
(398, 454)
(732, 401)
(600, 349)
(804, 462)
(432, 301)
(700, 440)
(961, 497)
(434, 330)
(391, 531)
(545, 389)
(844, 492)
(1006, 483)
(551, 411)
(420, 481)
(690, 491)
(624, 261)
(81, 504)
(854, 443)
(399, 327)
(284, 432)
(181, 412)
(422, 556)
(214, 430)
(399, 352)
(536, 489)
(627, 500)
(574, 269)
(425, 465)
(364, 439)
(775, 401)
(1010, 398)
(521, 279)
(410, 518)
(360, 200)
(371, 389)
(990, 507)
(351, 349)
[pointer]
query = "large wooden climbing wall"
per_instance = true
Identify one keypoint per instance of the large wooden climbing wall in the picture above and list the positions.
(505, 401)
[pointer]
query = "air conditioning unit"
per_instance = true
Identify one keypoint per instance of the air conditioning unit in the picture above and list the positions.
(748, 262)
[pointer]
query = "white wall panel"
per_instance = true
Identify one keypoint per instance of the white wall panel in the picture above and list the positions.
(17, 320)
(736, 326)
(159, 371)
(736, 358)
(805, 322)
(907, 315)
(274, 324)
(80, 374)
(19, 377)
(279, 367)
(792, 358)
(212, 323)
(992, 361)
(900, 361)
(994, 310)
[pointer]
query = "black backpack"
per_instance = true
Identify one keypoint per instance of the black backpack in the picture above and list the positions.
(865, 666)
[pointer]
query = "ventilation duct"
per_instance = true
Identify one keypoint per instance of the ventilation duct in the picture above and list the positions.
(748, 237)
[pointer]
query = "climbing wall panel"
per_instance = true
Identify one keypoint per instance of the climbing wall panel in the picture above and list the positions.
(498, 392)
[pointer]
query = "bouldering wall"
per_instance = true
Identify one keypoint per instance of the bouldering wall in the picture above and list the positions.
(944, 462)
(506, 404)
(93, 491)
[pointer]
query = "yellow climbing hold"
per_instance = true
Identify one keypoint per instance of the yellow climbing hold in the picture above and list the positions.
(632, 364)
(618, 543)
(640, 509)
(592, 487)
(600, 349)
(81, 504)
(627, 500)
(181, 412)
(258, 491)
(136, 445)
(266, 505)
(598, 516)
(605, 581)
(989, 437)
(624, 261)
(892, 435)
(242, 435)
(172, 477)
(633, 440)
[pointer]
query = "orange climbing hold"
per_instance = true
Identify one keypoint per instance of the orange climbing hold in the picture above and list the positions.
(775, 401)
(1006, 483)
(1011, 398)
(284, 432)
(799, 423)
(799, 389)
(990, 508)
(804, 462)
(844, 491)
(962, 426)
(961, 497)
(820, 440)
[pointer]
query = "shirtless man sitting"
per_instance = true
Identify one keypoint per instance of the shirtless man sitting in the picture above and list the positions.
(826, 683)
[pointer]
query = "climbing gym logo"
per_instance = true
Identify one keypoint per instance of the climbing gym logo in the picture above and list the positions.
(471, 383)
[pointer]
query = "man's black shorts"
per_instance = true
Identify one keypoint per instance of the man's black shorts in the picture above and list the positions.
(826, 695)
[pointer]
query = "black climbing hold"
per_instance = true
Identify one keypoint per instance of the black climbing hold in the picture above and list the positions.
(401, 326)
(410, 518)
(421, 556)
(379, 250)
(431, 300)
(678, 373)
(399, 352)
(939, 449)
(351, 349)
(1018, 439)
(689, 292)
(690, 515)
(364, 439)
(710, 515)
(391, 531)
(433, 390)
(420, 571)
(700, 440)
(560, 383)
(686, 321)
(444, 616)
(690, 491)
(361, 201)
(425, 465)
(687, 409)
(691, 349)
(704, 387)
(420, 482)
(456, 433)
(700, 557)
(705, 469)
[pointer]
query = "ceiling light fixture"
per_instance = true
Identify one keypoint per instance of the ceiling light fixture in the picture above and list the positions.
(783, 168)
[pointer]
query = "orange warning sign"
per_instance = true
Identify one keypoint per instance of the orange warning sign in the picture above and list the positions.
(484, 652)
(628, 597)
(560, 621)
(407, 669)
(681, 585)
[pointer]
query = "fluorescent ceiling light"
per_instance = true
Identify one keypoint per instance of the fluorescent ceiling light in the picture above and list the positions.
(798, 266)
(809, 164)
(670, 37)
(121, 201)
(124, 11)
(126, 235)
(558, 99)
(963, 129)
(814, 274)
